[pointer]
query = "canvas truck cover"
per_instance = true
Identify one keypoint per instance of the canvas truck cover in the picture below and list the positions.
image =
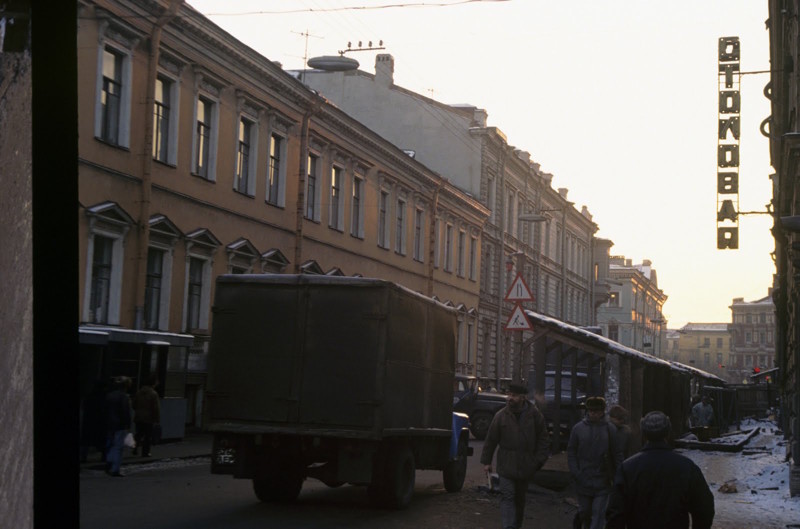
(325, 355)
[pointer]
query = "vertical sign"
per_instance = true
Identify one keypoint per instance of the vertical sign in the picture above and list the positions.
(728, 144)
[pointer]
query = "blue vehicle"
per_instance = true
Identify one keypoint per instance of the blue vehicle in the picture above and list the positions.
(345, 380)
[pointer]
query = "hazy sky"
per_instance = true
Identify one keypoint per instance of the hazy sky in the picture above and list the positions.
(617, 99)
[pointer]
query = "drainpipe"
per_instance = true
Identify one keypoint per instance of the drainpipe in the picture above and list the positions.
(301, 186)
(432, 236)
(147, 163)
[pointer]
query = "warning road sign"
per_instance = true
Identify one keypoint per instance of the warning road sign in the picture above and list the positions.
(518, 321)
(519, 290)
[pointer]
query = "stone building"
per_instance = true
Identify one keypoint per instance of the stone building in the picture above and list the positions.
(633, 313)
(706, 346)
(200, 157)
(753, 338)
(532, 229)
(783, 130)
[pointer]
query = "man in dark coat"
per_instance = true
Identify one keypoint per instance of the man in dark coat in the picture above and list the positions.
(520, 432)
(658, 488)
(118, 422)
(593, 456)
(146, 414)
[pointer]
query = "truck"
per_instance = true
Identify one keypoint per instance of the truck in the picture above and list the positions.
(347, 380)
(480, 406)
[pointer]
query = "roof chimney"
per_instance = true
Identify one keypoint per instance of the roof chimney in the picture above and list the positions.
(563, 192)
(384, 69)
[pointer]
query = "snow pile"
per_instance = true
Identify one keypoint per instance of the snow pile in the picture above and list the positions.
(756, 480)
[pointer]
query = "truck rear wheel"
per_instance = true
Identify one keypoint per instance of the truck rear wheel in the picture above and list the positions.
(456, 471)
(479, 425)
(282, 485)
(393, 478)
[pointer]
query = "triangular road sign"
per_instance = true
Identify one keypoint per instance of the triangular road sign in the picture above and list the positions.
(519, 290)
(518, 321)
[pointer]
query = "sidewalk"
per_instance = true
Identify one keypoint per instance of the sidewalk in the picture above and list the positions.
(194, 444)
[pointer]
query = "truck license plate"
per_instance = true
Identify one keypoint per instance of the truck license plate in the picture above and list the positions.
(225, 456)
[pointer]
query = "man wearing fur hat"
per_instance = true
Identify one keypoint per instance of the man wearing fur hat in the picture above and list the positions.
(593, 456)
(520, 431)
(658, 488)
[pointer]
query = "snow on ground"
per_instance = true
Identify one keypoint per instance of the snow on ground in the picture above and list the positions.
(760, 476)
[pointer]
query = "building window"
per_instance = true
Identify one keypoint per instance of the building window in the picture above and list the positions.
(383, 224)
(312, 187)
(205, 138)
(335, 220)
(706, 342)
(749, 318)
(510, 217)
(490, 197)
(613, 332)
(762, 337)
(108, 226)
(244, 181)
(276, 172)
(113, 104)
(152, 289)
(400, 229)
(719, 359)
(613, 299)
(748, 360)
(448, 248)
(719, 343)
(748, 337)
(162, 111)
(473, 258)
(769, 337)
(419, 234)
(194, 293)
(101, 279)
(762, 318)
(437, 243)
(470, 327)
(706, 359)
(731, 360)
(357, 211)
(462, 250)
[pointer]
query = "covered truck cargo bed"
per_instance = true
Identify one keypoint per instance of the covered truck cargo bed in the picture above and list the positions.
(318, 354)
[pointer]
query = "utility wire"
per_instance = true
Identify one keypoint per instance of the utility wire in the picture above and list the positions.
(355, 8)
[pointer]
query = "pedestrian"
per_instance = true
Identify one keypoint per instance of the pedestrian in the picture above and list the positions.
(593, 456)
(658, 488)
(118, 423)
(619, 418)
(93, 421)
(146, 415)
(703, 412)
(520, 432)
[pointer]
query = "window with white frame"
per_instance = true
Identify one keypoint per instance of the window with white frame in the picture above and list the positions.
(400, 228)
(108, 226)
(246, 155)
(448, 248)
(462, 250)
(165, 123)
(419, 234)
(276, 172)
(112, 119)
(357, 208)
(312, 187)
(383, 220)
(473, 258)
(200, 248)
(163, 236)
(205, 138)
(336, 217)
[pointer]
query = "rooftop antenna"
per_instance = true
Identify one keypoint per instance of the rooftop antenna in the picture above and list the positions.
(306, 34)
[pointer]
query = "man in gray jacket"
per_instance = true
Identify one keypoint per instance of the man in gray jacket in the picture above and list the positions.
(593, 456)
(521, 433)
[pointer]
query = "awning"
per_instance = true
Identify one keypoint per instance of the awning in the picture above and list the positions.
(103, 335)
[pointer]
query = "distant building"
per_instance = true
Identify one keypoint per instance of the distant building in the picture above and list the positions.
(753, 335)
(671, 350)
(554, 253)
(706, 346)
(633, 313)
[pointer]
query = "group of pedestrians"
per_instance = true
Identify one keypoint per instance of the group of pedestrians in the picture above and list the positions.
(108, 413)
(654, 488)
